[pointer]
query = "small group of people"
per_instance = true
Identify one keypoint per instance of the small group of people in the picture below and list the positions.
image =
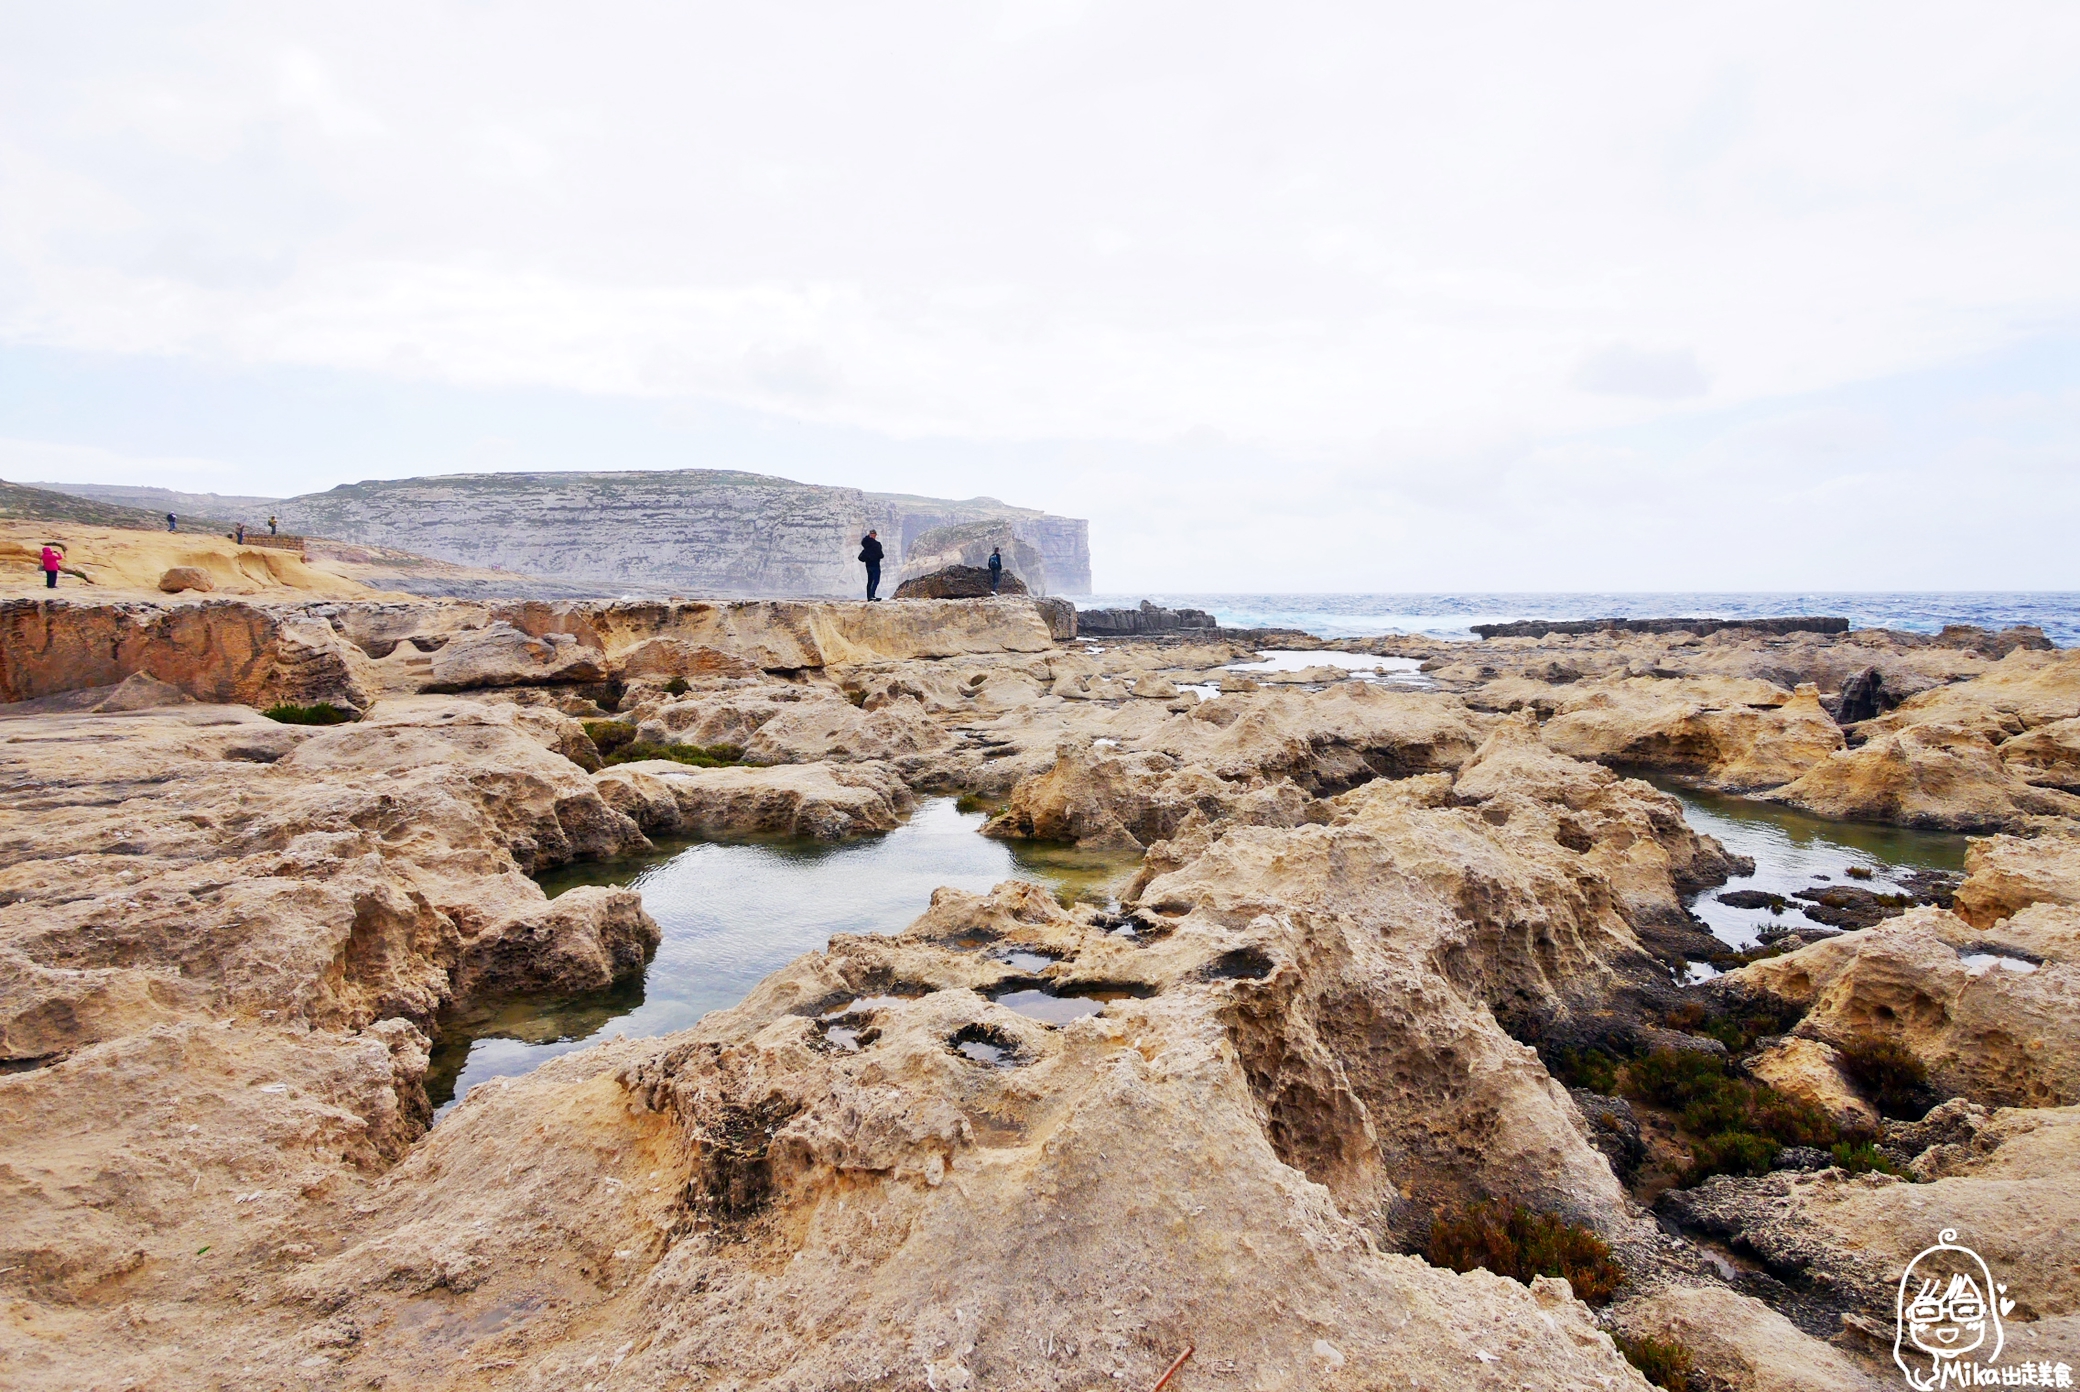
(241, 535)
(871, 553)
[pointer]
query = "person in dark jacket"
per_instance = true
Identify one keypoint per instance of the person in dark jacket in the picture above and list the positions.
(870, 552)
(173, 524)
(996, 568)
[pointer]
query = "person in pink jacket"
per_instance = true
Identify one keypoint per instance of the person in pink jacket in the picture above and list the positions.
(52, 559)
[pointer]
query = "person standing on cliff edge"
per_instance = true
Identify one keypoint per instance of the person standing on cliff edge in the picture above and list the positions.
(870, 552)
(53, 558)
(996, 568)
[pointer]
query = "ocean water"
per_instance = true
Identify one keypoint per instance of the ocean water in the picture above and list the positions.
(1452, 615)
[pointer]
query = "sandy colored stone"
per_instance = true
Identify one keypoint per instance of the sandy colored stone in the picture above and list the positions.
(1097, 798)
(1743, 1344)
(2048, 756)
(121, 563)
(216, 651)
(1811, 1071)
(676, 657)
(1994, 1035)
(502, 655)
(1944, 777)
(822, 801)
(1732, 733)
(2005, 874)
(179, 578)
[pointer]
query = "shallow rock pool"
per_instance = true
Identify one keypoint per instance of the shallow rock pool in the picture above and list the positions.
(1797, 852)
(732, 912)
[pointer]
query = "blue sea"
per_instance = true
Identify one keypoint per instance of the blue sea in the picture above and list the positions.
(1452, 615)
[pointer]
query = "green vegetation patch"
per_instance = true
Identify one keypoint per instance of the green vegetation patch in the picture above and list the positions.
(1521, 1244)
(1735, 1125)
(322, 713)
(1666, 1365)
(1893, 1077)
(617, 744)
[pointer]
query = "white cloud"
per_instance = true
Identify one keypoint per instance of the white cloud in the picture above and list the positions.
(1386, 250)
(1622, 370)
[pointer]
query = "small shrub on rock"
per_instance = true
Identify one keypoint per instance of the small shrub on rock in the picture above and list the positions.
(1666, 1365)
(617, 744)
(1735, 1125)
(676, 687)
(1521, 1244)
(1589, 1068)
(1896, 1081)
(319, 713)
(1862, 1157)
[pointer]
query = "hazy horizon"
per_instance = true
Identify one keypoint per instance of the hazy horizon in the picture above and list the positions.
(1317, 299)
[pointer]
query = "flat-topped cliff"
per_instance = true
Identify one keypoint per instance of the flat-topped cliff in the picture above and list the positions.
(703, 531)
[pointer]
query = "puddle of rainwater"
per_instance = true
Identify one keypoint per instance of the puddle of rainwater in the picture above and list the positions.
(1072, 1003)
(1393, 671)
(1795, 850)
(733, 912)
(1980, 963)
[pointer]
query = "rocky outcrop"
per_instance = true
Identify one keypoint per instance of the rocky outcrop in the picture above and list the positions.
(1126, 801)
(958, 582)
(1739, 736)
(217, 651)
(2000, 1030)
(689, 531)
(969, 545)
(502, 655)
(1150, 618)
(1540, 628)
(1742, 1345)
(825, 802)
(1942, 776)
(179, 578)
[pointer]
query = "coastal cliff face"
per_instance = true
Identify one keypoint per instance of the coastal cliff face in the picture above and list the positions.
(698, 531)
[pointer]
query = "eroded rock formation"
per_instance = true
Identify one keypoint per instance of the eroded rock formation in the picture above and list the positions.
(1304, 1030)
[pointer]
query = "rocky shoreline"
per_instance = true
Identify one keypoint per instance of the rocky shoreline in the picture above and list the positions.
(1396, 965)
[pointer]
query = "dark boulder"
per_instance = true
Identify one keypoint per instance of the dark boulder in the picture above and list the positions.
(1863, 697)
(958, 582)
(1149, 618)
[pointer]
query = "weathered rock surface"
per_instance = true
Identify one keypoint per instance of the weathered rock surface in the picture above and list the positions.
(968, 545)
(1997, 1035)
(179, 578)
(823, 801)
(221, 651)
(1735, 734)
(1303, 1038)
(1743, 1345)
(502, 655)
(958, 582)
(1811, 1071)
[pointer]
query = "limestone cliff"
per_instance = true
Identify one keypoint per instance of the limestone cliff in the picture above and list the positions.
(693, 531)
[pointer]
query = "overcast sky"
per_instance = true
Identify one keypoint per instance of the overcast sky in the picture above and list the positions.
(1281, 297)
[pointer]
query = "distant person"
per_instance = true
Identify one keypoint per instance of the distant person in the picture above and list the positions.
(273, 527)
(173, 524)
(241, 534)
(870, 552)
(53, 558)
(996, 569)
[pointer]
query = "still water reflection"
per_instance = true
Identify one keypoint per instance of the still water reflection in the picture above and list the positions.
(1795, 850)
(732, 912)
